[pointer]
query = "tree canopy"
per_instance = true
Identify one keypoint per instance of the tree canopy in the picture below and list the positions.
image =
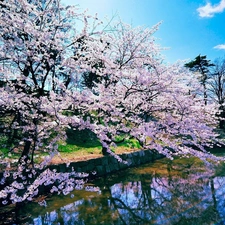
(108, 79)
(201, 65)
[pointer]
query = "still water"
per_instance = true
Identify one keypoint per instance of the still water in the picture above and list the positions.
(183, 191)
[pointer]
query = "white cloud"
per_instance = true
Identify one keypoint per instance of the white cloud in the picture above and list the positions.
(209, 10)
(220, 47)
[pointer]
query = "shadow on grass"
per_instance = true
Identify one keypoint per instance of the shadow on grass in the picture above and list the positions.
(80, 139)
(83, 138)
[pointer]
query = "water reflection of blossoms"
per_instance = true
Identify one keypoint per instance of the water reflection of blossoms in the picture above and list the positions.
(151, 199)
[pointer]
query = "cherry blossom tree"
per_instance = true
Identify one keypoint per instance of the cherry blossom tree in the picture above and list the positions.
(147, 99)
(38, 39)
(38, 42)
(46, 50)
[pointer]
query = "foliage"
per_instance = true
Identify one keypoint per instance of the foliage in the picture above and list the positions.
(135, 95)
(211, 76)
(201, 65)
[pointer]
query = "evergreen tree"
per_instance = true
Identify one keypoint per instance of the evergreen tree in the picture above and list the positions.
(201, 65)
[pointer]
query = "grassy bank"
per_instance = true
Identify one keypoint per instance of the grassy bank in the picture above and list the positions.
(80, 145)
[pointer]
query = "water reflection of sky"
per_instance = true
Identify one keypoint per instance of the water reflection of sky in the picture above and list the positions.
(149, 200)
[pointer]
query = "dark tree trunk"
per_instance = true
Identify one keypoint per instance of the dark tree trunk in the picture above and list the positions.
(104, 151)
(26, 150)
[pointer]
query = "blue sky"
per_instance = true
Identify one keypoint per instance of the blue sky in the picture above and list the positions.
(189, 28)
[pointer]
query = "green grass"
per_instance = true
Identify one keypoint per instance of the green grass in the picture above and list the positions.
(80, 141)
(4, 151)
(72, 148)
(78, 144)
(129, 143)
(85, 140)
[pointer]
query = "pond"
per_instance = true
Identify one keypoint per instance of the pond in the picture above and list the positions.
(183, 191)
